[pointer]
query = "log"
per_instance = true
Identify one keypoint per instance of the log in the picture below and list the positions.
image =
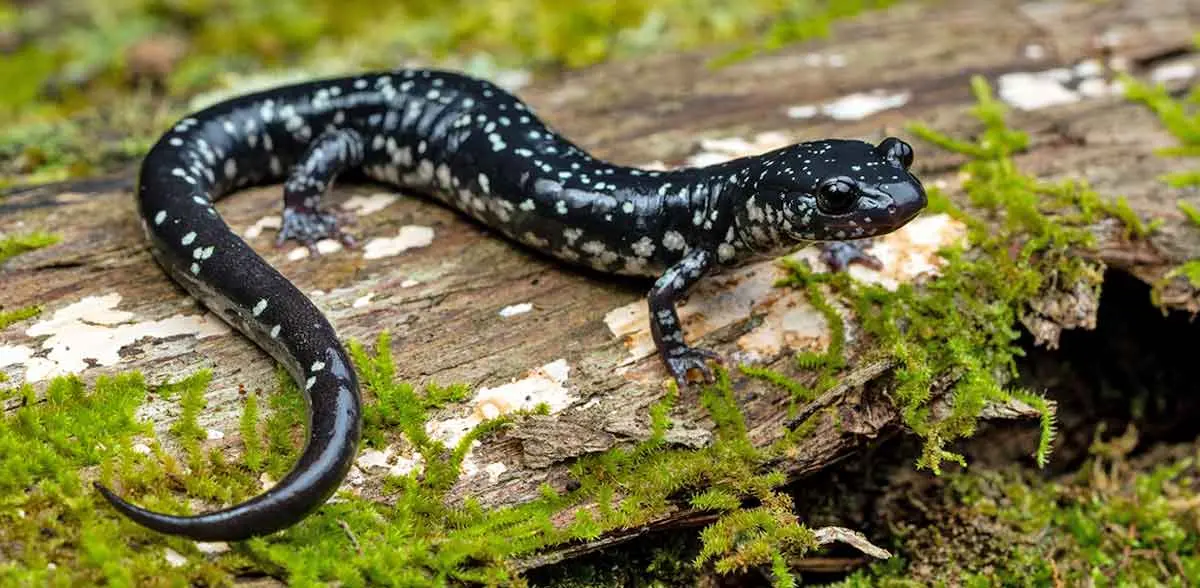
(465, 306)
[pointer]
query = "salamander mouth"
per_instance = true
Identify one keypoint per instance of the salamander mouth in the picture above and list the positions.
(898, 204)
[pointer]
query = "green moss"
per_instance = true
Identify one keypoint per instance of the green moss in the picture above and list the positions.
(826, 364)
(87, 61)
(1114, 523)
(15, 245)
(1181, 117)
(53, 528)
(1188, 270)
(252, 442)
(1192, 214)
(963, 324)
(187, 429)
(11, 317)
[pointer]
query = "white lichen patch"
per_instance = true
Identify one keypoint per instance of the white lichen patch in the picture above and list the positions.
(368, 205)
(262, 224)
(910, 253)
(409, 237)
(720, 150)
(174, 559)
(494, 470)
(835, 60)
(855, 106)
(1173, 72)
(324, 247)
(788, 321)
(390, 460)
(1058, 86)
(92, 332)
(515, 309)
(545, 384)
(212, 548)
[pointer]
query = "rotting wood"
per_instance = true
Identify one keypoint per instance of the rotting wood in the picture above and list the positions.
(442, 301)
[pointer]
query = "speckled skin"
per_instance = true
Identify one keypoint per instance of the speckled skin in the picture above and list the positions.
(478, 149)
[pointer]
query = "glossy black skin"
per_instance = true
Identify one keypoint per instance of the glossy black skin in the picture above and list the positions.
(480, 150)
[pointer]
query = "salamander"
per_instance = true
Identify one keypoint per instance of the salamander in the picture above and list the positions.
(476, 148)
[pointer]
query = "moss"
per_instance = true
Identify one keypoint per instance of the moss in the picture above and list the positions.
(1191, 212)
(1188, 270)
(1116, 522)
(826, 364)
(252, 444)
(53, 528)
(12, 317)
(15, 245)
(416, 540)
(1181, 118)
(1024, 238)
(89, 73)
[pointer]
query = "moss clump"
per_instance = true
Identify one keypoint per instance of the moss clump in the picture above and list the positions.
(1116, 522)
(53, 528)
(1181, 117)
(826, 364)
(1023, 243)
(15, 245)
(415, 538)
(11, 317)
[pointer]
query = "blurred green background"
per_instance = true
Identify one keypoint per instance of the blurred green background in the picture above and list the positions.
(89, 83)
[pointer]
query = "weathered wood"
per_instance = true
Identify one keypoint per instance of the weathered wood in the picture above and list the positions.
(442, 301)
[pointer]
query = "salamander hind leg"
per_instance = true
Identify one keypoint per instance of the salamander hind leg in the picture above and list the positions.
(664, 320)
(330, 154)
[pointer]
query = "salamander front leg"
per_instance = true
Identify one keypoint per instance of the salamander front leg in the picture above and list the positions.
(664, 320)
(330, 154)
(838, 255)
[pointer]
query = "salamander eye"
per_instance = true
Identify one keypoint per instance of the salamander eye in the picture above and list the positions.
(896, 150)
(837, 195)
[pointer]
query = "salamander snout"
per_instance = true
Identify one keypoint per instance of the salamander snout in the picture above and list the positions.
(905, 200)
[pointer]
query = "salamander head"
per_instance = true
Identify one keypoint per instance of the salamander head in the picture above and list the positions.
(828, 190)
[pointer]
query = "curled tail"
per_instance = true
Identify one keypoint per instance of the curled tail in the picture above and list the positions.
(230, 145)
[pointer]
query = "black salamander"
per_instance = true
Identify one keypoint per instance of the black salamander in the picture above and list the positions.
(476, 148)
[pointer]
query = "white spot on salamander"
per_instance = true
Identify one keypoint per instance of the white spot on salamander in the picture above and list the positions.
(160, 217)
(317, 366)
(673, 241)
(188, 238)
(260, 307)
